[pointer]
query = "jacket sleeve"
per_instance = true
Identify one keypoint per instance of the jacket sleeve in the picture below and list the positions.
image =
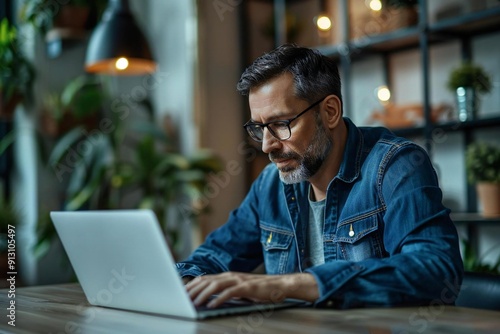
(235, 246)
(424, 263)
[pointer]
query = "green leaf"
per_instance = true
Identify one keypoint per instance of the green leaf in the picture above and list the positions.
(41, 248)
(83, 196)
(170, 163)
(6, 141)
(63, 146)
(146, 153)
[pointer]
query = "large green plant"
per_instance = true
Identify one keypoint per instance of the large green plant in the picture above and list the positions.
(482, 162)
(16, 72)
(135, 162)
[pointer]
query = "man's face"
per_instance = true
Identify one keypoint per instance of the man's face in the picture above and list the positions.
(301, 156)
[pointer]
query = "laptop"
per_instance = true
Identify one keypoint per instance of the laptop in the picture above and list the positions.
(121, 260)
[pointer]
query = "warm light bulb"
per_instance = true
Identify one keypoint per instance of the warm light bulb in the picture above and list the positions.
(375, 5)
(324, 23)
(121, 64)
(383, 94)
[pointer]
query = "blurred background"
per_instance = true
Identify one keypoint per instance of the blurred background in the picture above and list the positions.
(162, 129)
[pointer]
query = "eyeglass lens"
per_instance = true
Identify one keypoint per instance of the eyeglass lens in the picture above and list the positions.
(280, 130)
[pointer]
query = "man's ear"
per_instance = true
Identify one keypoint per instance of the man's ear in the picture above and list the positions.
(332, 109)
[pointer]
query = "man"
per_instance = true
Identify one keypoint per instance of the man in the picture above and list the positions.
(342, 217)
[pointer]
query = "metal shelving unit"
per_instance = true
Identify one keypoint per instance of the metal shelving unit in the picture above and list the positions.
(422, 36)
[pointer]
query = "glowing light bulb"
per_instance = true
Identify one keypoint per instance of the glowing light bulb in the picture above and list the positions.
(324, 23)
(121, 64)
(375, 5)
(383, 94)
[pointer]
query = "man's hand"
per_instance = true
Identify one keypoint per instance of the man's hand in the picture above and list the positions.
(187, 279)
(262, 288)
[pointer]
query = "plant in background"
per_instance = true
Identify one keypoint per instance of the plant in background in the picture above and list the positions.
(474, 263)
(482, 162)
(44, 14)
(16, 72)
(469, 75)
(134, 164)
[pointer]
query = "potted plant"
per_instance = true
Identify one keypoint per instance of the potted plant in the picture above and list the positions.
(16, 72)
(74, 15)
(467, 81)
(483, 169)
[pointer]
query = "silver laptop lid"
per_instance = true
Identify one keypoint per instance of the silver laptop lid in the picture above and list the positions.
(122, 260)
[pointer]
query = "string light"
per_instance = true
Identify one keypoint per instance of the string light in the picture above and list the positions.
(383, 94)
(375, 5)
(324, 23)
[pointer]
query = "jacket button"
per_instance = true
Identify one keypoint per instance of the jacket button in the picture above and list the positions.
(329, 303)
(293, 198)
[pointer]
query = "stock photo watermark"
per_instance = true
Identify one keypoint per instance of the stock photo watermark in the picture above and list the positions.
(420, 320)
(221, 7)
(11, 275)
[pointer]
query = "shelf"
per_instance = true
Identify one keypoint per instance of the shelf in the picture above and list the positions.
(480, 123)
(396, 40)
(470, 24)
(467, 218)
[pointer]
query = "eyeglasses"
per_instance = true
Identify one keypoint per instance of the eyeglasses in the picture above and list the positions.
(279, 129)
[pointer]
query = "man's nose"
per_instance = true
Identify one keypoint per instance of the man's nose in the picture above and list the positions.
(269, 142)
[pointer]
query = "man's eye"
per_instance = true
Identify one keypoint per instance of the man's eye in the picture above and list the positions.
(279, 125)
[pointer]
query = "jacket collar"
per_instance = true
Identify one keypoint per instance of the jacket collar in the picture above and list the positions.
(351, 161)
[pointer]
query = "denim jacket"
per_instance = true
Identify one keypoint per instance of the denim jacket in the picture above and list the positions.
(388, 240)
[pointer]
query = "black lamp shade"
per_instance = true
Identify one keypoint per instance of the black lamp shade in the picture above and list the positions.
(118, 36)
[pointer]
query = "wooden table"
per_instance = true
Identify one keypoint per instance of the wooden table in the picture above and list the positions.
(64, 309)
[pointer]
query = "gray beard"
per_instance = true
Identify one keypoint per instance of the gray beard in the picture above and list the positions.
(311, 161)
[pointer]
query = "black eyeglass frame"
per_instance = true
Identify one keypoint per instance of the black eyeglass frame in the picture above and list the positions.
(286, 122)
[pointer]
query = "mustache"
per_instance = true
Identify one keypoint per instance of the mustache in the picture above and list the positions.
(283, 156)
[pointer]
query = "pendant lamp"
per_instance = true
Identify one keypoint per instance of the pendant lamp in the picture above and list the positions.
(117, 46)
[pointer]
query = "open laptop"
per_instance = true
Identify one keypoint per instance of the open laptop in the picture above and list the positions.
(122, 260)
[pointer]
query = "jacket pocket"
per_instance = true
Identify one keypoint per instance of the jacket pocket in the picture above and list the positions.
(359, 239)
(276, 246)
